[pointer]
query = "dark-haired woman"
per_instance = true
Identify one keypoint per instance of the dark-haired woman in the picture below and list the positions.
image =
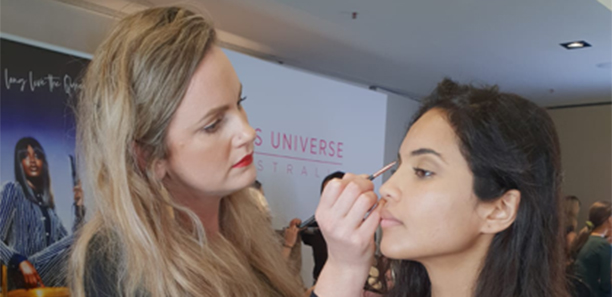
(472, 210)
(33, 242)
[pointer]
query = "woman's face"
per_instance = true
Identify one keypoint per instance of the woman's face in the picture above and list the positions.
(209, 138)
(430, 207)
(575, 208)
(32, 163)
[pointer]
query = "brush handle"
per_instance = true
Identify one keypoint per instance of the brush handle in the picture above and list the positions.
(371, 177)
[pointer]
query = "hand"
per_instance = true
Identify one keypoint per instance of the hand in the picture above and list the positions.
(344, 203)
(350, 239)
(291, 232)
(78, 194)
(30, 275)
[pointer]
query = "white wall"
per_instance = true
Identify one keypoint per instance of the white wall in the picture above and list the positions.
(399, 114)
(54, 23)
(585, 135)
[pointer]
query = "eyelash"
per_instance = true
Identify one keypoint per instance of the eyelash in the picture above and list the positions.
(212, 128)
(240, 101)
(422, 173)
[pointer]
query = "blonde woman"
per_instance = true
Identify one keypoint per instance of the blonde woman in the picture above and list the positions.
(167, 149)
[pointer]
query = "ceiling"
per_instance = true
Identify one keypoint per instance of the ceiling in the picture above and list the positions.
(407, 46)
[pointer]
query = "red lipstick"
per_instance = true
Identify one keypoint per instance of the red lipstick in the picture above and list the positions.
(246, 161)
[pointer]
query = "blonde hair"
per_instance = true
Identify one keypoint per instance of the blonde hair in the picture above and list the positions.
(131, 90)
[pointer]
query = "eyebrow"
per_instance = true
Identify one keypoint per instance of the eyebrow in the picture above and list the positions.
(427, 151)
(218, 110)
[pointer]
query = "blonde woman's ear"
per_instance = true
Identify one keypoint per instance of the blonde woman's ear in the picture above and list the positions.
(141, 155)
(501, 213)
(161, 168)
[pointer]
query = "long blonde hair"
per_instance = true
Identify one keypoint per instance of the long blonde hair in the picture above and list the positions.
(131, 90)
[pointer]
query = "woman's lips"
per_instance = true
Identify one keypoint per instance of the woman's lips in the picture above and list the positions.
(388, 220)
(246, 161)
(386, 223)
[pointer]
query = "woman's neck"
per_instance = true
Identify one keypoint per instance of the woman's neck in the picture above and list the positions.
(455, 275)
(205, 208)
(33, 185)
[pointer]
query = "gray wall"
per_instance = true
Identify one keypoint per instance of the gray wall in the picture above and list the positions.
(586, 152)
(399, 113)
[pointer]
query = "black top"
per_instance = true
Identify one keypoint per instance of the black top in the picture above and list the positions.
(101, 277)
(312, 236)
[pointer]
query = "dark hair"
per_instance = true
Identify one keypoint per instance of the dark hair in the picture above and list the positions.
(20, 176)
(599, 213)
(337, 174)
(509, 143)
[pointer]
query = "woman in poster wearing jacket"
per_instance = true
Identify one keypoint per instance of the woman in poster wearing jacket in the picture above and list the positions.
(33, 242)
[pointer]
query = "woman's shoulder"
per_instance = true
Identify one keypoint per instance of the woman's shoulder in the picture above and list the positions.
(11, 188)
(12, 193)
(102, 266)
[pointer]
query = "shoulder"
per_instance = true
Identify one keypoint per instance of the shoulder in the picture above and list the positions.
(11, 193)
(600, 244)
(102, 266)
(11, 188)
(595, 246)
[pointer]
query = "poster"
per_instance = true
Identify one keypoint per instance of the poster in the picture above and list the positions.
(41, 204)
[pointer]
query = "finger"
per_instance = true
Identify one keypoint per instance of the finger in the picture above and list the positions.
(371, 223)
(331, 192)
(349, 196)
(39, 280)
(364, 203)
(360, 179)
(31, 281)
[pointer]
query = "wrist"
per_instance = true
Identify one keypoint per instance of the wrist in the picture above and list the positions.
(341, 279)
(16, 260)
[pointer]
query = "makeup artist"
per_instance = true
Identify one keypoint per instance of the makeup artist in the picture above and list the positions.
(168, 151)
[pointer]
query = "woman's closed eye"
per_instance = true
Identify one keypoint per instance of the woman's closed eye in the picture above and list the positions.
(214, 127)
(422, 173)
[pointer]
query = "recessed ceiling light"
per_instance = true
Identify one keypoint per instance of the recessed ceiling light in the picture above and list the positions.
(575, 44)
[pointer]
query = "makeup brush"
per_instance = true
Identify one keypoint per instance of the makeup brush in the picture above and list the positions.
(371, 177)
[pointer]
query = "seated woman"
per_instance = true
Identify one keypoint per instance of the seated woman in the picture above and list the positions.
(472, 210)
(34, 243)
